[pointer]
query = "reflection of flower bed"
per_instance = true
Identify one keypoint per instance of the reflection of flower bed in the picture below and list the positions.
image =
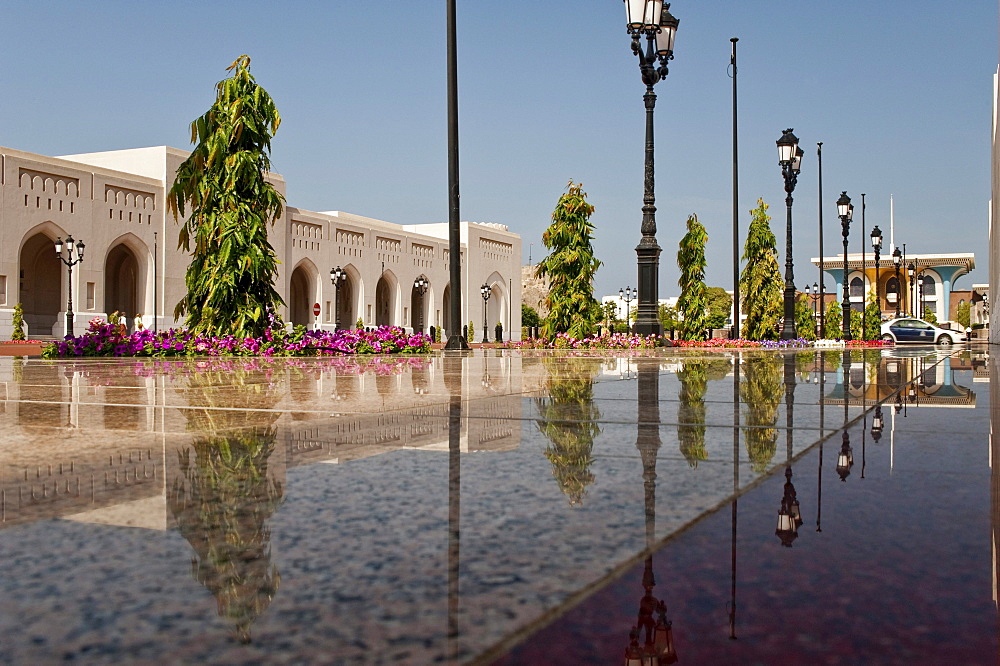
(103, 339)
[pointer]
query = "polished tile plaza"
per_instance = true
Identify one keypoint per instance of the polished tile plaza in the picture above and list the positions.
(451, 509)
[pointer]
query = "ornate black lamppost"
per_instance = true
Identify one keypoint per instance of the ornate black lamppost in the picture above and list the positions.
(70, 262)
(920, 297)
(420, 285)
(897, 261)
(337, 276)
(628, 295)
(813, 293)
(846, 211)
(485, 291)
(911, 272)
(652, 20)
(877, 246)
(790, 160)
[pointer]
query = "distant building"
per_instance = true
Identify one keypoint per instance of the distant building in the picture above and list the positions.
(115, 202)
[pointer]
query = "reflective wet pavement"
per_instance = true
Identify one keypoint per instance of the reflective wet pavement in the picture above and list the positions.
(500, 506)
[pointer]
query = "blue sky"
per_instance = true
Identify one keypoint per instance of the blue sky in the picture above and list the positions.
(898, 92)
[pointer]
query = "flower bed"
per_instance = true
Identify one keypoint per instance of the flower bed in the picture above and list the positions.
(104, 339)
(565, 341)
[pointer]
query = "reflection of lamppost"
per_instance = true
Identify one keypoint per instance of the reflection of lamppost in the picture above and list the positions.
(70, 262)
(337, 276)
(877, 246)
(790, 160)
(650, 18)
(658, 644)
(877, 423)
(628, 295)
(485, 291)
(846, 211)
(789, 516)
(846, 458)
(897, 260)
(420, 285)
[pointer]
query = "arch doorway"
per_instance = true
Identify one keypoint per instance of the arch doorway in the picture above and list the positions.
(40, 287)
(418, 309)
(300, 298)
(383, 302)
(446, 310)
(121, 284)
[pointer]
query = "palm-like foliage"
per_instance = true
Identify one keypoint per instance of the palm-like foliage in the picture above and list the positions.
(570, 267)
(760, 281)
(693, 301)
(805, 323)
(230, 280)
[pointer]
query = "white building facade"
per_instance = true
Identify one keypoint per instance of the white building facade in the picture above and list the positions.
(116, 203)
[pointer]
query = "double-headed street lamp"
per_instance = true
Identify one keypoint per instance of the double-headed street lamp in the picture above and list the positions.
(846, 211)
(420, 285)
(337, 277)
(877, 246)
(897, 261)
(67, 258)
(790, 160)
(812, 291)
(485, 291)
(652, 20)
(628, 295)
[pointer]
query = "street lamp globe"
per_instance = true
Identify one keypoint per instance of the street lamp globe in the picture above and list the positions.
(876, 238)
(643, 14)
(788, 147)
(665, 37)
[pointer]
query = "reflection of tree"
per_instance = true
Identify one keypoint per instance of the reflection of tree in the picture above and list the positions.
(224, 497)
(761, 391)
(222, 505)
(694, 377)
(568, 418)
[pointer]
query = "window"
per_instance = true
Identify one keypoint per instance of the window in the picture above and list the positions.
(3, 289)
(857, 288)
(90, 295)
(929, 286)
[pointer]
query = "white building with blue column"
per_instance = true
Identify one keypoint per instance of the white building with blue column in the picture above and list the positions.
(919, 283)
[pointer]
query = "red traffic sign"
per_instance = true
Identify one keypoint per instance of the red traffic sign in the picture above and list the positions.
(316, 309)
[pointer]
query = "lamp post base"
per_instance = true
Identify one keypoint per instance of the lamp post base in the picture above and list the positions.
(456, 342)
(647, 319)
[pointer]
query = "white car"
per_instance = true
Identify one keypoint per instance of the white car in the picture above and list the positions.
(910, 329)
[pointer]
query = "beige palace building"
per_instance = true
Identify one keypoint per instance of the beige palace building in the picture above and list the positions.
(115, 203)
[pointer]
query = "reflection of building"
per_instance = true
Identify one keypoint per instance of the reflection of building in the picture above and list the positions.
(104, 442)
(925, 380)
(115, 202)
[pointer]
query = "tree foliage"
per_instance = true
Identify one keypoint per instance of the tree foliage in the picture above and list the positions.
(529, 316)
(570, 267)
(872, 323)
(230, 280)
(760, 281)
(720, 305)
(963, 314)
(18, 323)
(693, 301)
(805, 323)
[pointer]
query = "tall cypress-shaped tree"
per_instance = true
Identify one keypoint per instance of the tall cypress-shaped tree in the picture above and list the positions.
(230, 280)
(761, 281)
(570, 267)
(693, 301)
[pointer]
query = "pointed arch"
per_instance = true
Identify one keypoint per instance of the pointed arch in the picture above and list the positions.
(386, 299)
(41, 275)
(302, 292)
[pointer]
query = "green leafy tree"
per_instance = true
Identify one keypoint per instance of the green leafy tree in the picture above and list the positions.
(760, 280)
(720, 305)
(832, 322)
(529, 316)
(693, 301)
(570, 267)
(963, 314)
(872, 324)
(805, 323)
(230, 280)
(669, 318)
(610, 313)
(929, 315)
(18, 323)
